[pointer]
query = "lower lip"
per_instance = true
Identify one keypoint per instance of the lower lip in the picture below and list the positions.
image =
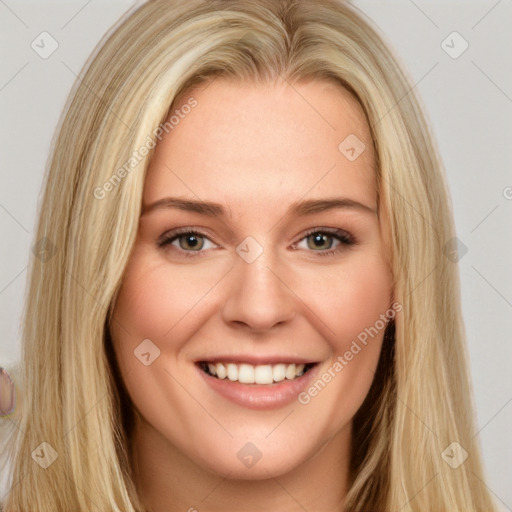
(260, 396)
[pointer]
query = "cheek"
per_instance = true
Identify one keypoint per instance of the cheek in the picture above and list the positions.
(349, 298)
(157, 300)
(354, 298)
(362, 297)
(165, 305)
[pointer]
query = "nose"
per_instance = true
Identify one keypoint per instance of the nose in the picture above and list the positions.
(258, 296)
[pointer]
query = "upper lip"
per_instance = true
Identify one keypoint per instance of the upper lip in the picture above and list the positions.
(255, 360)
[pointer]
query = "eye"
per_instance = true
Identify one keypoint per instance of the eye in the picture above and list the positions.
(326, 241)
(186, 241)
(323, 241)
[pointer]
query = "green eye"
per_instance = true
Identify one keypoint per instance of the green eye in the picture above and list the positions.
(323, 242)
(191, 241)
(320, 240)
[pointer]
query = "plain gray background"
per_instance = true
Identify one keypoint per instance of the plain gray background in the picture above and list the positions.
(467, 96)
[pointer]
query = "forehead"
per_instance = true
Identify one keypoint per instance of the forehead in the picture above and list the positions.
(256, 145)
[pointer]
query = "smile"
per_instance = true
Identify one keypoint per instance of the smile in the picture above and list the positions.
(245, 373)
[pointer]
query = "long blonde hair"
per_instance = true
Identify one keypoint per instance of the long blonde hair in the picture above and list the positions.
(73, 400)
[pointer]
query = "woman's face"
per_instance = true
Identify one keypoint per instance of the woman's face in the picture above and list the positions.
(284, 280)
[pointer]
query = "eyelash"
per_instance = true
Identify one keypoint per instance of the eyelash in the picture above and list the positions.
(342, 236)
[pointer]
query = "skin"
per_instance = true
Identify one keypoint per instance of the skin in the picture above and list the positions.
(255, 149)
(7, 393)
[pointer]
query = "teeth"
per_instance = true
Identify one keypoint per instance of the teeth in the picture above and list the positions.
(261, 374)
(232, 371)
(246, 374)
(279, 372)
(290, 371)
(219, 370)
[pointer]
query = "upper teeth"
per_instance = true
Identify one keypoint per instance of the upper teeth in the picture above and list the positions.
(261, 374)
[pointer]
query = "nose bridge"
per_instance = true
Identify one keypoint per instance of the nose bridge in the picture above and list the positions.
(258, 295)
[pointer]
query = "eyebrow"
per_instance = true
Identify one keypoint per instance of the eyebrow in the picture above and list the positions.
(301, 208)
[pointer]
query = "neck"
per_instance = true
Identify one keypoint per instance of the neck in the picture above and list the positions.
(168, 481)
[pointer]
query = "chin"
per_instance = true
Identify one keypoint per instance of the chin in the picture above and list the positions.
(246, 460)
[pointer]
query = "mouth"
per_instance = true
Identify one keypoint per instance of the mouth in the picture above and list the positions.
(262, 374)
(256, 383)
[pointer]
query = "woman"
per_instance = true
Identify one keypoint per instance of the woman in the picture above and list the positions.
(247, 304)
